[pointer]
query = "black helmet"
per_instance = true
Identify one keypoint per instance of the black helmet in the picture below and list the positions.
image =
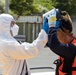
(65, 20)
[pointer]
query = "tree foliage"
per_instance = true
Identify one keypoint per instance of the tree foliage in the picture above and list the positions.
(21, 7)
(28, 7)
(68, 5)
(43, 5)
(1, 7)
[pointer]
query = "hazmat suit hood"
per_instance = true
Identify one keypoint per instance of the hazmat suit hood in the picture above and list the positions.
(5, 21)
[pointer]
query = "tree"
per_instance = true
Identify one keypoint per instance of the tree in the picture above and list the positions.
(28, 7)
(21, 7)
(68, 5)
(1, 7)
(43, 5)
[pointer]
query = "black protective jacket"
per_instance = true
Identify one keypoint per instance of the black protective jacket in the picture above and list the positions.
(66, 51)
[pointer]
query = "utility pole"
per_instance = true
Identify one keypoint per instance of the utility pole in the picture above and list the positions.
(6, 6)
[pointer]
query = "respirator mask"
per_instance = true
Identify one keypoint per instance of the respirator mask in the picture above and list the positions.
(15, 29)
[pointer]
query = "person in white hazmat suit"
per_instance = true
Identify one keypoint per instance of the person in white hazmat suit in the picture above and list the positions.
(12, 54)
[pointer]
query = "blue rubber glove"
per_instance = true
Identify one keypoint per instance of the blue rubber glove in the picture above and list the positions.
(57, 25)
(45, 25)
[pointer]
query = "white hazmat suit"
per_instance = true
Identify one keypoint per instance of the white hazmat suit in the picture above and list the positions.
(12, 54)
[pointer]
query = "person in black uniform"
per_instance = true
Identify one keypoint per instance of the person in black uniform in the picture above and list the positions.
(62, 42)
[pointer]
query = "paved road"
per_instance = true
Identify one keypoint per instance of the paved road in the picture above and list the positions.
(44, 59)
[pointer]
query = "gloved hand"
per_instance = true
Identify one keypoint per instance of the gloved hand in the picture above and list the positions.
(54, 23)
(53, 16)
(45, 25)
(57, 25)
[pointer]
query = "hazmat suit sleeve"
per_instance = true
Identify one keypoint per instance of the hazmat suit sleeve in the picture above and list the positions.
(27, 50)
